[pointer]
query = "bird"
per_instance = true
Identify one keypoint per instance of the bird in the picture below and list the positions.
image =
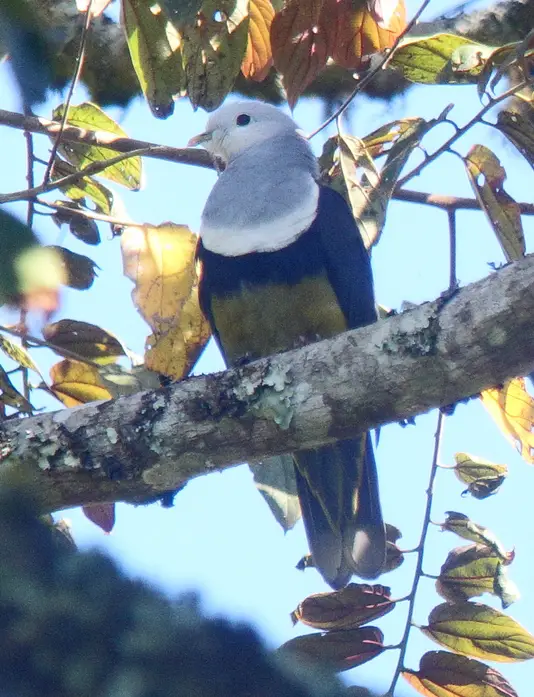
(282, 264)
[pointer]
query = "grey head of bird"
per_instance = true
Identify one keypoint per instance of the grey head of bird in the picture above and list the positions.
(238, 126)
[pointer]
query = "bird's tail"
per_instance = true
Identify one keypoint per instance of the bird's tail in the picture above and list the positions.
(338, 492)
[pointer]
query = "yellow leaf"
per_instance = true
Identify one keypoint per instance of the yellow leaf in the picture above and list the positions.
(512, 408)
(75, 383)
(161, 262)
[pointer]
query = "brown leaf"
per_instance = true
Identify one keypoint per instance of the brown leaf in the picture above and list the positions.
(341, 650)
(259, 56)
(347, 608)
(79, 270)
(444, 674)
(299, 47)
(101, 514)
(161, 262)
(85, 339)
(75, 383)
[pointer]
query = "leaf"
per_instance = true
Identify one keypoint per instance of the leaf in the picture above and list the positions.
(471, 571)
(299, 47)
(17, 353)
(512, 409)
(519, 130)
(347, 608)
(87, 187)
(79, 270)
(442, 59)
(121, 382)
(154, 46)
(487, 176)
(354, 31)
(274, 478)
(213, 49)
(91, 117)
(483, 478)
(443, 674)
(258, 56)
(82, 227)
(477, 630)
(10, 396)
(84, 339)
(75, 383)
(181, 10)
(465, 528)
(161, 262)
(101, 514)
(394, 556)
(338, 651)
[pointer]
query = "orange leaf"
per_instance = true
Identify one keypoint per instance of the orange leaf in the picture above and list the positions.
(75, 383)
(258, 57)
(354, 30)
(299, 48)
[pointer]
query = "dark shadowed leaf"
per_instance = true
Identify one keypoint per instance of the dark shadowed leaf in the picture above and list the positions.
(483, 478)
(160, 260)
(181, 10)
(441, 59)
(443, 674)
(89, 116)
(101, 514)
(347, 608)
(338, 651)
(299, 46)
(84, 339)
(487, 176)
(394, 556)
(259, 56)
(213, 49)
(85, 188)
(154, 46)
(80, 271)
(75, 383)
(274, 478)
(519, 130)
(474, 629)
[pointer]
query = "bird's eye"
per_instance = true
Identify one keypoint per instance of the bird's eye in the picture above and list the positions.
(243, 120)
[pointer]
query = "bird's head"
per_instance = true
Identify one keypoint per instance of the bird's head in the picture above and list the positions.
(238, 126)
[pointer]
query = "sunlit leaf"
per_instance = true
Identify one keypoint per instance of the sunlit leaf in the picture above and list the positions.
(10, 396)
(154, 46)
(121, 382)
(213, 49)
(75, 383)
(519, 130)
(101, 514)
(259, 56)
(487, 176)
(84, 339)
(467, 529)
(338, 651)
(347, 608)
(444, 674)
(17, 353)
(354, 31)
(441, 59)
(299, 47)
(161, 262)
(512, 409)
(274, 478)
(474, 629)
(483, 478)
(79, 270)
(84, 188)
(91, 117)
(471, 571)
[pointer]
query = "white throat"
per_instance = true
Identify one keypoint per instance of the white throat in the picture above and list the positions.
(268, 236)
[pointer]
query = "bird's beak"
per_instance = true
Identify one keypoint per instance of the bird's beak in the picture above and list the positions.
(199, 139)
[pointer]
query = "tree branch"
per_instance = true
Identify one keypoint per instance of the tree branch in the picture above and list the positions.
(137, 447)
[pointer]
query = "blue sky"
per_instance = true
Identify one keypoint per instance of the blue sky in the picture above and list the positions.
(220, 538)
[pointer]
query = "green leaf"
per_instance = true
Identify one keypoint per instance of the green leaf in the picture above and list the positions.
(87, 187)
(213, 49)
(181, 10)
(91, 117)
(462, 526)
(17, 353)
(474, 629)
(483, 478)
(10, 396)
(442, 59)
(274, 478)
(487, 176)
(154, 46)
(445, 674)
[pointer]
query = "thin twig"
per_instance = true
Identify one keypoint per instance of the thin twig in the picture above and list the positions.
(453, 280)
(460, 132)
(421, 548)
(79, 64)
(92, 215)
(447, 202)
(381, 65)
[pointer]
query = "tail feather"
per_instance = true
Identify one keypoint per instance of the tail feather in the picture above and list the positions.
(338, 492)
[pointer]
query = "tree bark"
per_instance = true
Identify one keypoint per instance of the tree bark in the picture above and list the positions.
(135, 448)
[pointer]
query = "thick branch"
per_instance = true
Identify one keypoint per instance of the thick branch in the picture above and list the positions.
(135, 447)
